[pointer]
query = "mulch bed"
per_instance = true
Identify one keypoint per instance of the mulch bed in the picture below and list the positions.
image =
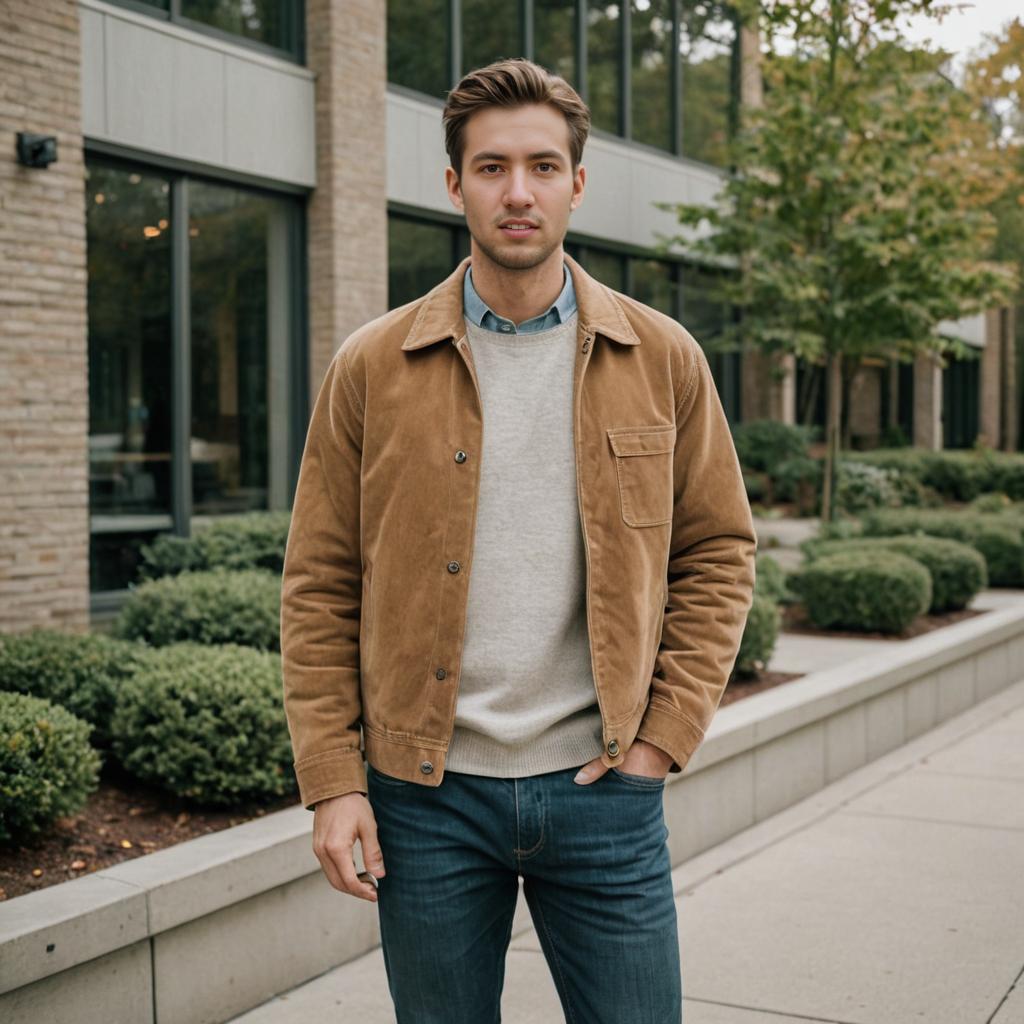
(794, 620)
(124, 819)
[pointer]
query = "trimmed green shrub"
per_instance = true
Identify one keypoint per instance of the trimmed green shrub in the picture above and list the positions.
(861, 486)
(799, 479)
(254, 540)
(998, 537)
(80, 671)
(864, 590)
(770, 579)
(759, 635)
(47, 768)
(994, 501)
(763, 444)
(960, 475)
(207, 724)
(958, 571)
(215, 607)
(756, 485)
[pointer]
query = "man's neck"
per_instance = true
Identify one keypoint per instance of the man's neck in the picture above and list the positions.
(519, 295)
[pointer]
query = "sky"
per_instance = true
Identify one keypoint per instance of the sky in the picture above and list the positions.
(964, 30)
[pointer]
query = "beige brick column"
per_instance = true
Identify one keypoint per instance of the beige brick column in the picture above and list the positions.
(997, 417)
(347, 224)
(44, 401)
(768, 383)
(927, 401)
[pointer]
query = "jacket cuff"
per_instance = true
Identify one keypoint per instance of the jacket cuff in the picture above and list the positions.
(677, 736)
(331, 773)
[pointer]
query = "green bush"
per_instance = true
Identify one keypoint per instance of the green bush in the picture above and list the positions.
(958, 571)
(80, 671)
(882, 591)
(207, 724)
(770, 579)
(255, 540)
(214, 607)
(861, 486)
(759, 635)
(756, 485)
(798, 479)
(998, 536)
(763, 444)
(994, 501)
(47, 768)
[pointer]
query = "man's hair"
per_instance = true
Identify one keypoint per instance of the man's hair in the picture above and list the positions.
(513, 82)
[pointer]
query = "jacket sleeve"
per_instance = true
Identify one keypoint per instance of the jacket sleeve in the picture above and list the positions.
(321, 595)
(710, 572)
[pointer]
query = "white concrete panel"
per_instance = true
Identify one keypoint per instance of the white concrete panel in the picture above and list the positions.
(845, 742)
(788, 769)
(956, 688)
(115, 987)
(269, 121)
(969, 328)
(140, 75)
(992, 671)
(884, 717)
(159, 88)
(403, 153)
(921, 706)
(94, 107)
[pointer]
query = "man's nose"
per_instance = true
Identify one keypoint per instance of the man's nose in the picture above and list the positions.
(518, 192)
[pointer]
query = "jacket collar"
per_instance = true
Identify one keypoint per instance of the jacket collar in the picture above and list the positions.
(441, 315)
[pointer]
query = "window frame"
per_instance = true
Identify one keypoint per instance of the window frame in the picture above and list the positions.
(105, 602)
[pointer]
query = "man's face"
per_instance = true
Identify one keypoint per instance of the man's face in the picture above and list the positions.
(516, 167)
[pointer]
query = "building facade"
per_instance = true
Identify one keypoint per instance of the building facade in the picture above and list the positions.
(239, 184)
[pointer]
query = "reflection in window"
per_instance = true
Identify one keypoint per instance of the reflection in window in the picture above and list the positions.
(608, 267)
(554, 33)
(651, 29)
(420, 255)
(653, 285)
(705, 316)
(604, 65)
(129, 289)
(490, 32)
(418, 45)
(708, 43)
(239, 318)
(264, 21)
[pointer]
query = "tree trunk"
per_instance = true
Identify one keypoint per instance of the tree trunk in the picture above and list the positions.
(834, 397)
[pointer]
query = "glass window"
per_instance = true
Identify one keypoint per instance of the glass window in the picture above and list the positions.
(554, 33)
(418, 45)
(490, 32)
(707, 40)
(242, 300)
(651, 82)
(653, 285)
(263, 21)
(420, 255)
(607, 267)
(129, 292)
(604, 65)
(239, 320)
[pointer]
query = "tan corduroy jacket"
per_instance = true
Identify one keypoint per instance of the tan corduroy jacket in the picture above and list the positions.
(380, 549)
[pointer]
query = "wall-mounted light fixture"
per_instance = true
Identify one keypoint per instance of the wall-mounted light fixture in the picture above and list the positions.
(36, 150)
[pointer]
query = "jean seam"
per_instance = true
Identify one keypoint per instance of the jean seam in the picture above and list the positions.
(558, 962)
(654, 783)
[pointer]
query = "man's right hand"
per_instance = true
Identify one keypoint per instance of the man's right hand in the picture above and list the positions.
(337, 822)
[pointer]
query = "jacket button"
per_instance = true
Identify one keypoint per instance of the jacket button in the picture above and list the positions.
(461, 456)
(440, 673)
(453, 566)
(613, 748)
(426, 767)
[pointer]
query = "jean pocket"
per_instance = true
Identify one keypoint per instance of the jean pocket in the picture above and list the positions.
(641, 781)
(387, 780)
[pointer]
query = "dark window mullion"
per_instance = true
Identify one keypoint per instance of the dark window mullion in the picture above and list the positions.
(581, 50)
(526, 28)
(626, 70)
(677, 80)
(455, 41)
(175, 10)
(181, 361)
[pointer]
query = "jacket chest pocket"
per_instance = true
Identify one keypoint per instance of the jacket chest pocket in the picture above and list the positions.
(643, 467)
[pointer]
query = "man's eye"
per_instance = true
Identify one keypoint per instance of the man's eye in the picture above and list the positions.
(552, 166)
(488, 166)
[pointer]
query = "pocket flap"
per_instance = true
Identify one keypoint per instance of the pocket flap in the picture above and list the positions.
(642, 440)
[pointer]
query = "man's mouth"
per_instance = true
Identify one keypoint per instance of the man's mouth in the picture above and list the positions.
(514, 230)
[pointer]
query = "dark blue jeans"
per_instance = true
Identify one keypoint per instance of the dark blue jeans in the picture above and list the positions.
(596, 877)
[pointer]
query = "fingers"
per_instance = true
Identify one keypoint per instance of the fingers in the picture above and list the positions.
(334, 834)
(590, 772)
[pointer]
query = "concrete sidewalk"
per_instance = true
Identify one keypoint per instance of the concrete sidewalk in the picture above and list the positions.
(892, 896)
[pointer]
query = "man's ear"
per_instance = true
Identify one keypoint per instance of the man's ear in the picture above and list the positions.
(453, 186)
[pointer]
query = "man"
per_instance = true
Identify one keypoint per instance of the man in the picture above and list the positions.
(520, 563)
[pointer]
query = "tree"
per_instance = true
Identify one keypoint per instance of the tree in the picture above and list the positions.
(855, 210)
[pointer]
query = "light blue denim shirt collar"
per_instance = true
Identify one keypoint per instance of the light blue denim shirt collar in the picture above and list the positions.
(483, 316)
